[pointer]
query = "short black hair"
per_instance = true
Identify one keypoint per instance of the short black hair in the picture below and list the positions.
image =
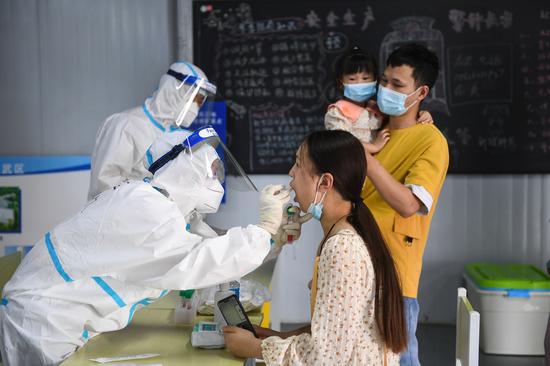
(424, 62)
(354, 61)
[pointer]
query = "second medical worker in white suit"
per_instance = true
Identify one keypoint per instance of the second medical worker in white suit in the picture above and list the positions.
(124, 137)
(126, 248)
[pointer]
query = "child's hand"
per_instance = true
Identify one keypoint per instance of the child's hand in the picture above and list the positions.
(425, 118)
(372, 107)
(372, 104)
(379, 142)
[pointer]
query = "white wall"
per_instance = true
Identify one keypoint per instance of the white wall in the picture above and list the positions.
(66, 65)
(482, 218)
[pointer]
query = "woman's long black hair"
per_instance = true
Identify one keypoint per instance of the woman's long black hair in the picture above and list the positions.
(341, 154)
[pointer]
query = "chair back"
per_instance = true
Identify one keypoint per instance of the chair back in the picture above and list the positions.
(467, 331)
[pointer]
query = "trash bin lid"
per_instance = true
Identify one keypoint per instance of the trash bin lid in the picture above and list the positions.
(508, 276)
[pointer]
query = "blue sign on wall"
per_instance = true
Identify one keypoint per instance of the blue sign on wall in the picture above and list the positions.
(24, 165)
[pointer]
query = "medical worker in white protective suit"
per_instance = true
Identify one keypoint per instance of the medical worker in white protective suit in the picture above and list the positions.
(124, 137)
(127, 248)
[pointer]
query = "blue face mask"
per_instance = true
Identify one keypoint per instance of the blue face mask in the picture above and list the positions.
(360, 92)
(316, 208)
(391, 102)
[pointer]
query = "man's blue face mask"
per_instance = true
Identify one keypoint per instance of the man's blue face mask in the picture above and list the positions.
(391, 102)
(360, 92)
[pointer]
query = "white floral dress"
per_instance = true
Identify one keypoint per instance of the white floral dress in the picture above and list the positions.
(343, 326)
(360, 122)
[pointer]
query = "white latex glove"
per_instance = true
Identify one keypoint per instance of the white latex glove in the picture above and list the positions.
(291, 226)
(272, 202)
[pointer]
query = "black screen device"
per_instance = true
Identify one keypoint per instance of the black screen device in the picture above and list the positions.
(234, 314)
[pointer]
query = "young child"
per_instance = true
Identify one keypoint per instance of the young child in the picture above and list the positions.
(356, 76)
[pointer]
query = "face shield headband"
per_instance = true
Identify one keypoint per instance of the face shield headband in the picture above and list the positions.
(191, 80)
(196, 85)
(203, 135)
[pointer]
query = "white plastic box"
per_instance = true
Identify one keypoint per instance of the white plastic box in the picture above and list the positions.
(513, 321)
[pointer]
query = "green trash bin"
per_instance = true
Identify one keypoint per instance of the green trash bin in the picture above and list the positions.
(514, 302)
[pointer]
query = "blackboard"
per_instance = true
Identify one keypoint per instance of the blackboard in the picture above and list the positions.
(273, 64)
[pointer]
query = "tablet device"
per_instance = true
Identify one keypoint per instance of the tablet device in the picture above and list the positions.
(234, 314)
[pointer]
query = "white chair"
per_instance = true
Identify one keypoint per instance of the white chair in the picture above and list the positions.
(467, 331)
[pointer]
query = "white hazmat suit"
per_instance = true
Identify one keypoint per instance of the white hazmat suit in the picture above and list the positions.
(124, 137)
(125, 249)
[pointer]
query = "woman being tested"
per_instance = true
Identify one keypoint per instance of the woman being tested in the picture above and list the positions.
(356, 301)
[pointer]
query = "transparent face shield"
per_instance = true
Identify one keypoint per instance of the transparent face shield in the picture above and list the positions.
(239, 180)
(216, 168)
(193, 93)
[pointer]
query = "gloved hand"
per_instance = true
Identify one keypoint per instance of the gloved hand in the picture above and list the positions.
(291, 226)
(272, 201)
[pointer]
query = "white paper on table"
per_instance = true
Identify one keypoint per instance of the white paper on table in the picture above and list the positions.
(125, 358)
(130, 364)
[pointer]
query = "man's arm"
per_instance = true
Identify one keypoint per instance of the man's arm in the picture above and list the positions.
(396, 194)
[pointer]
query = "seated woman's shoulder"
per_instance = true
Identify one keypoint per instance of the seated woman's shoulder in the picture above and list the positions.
(345, 240)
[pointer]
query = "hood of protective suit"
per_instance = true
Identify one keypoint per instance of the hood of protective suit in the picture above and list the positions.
(188, 179)
(165, 103)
